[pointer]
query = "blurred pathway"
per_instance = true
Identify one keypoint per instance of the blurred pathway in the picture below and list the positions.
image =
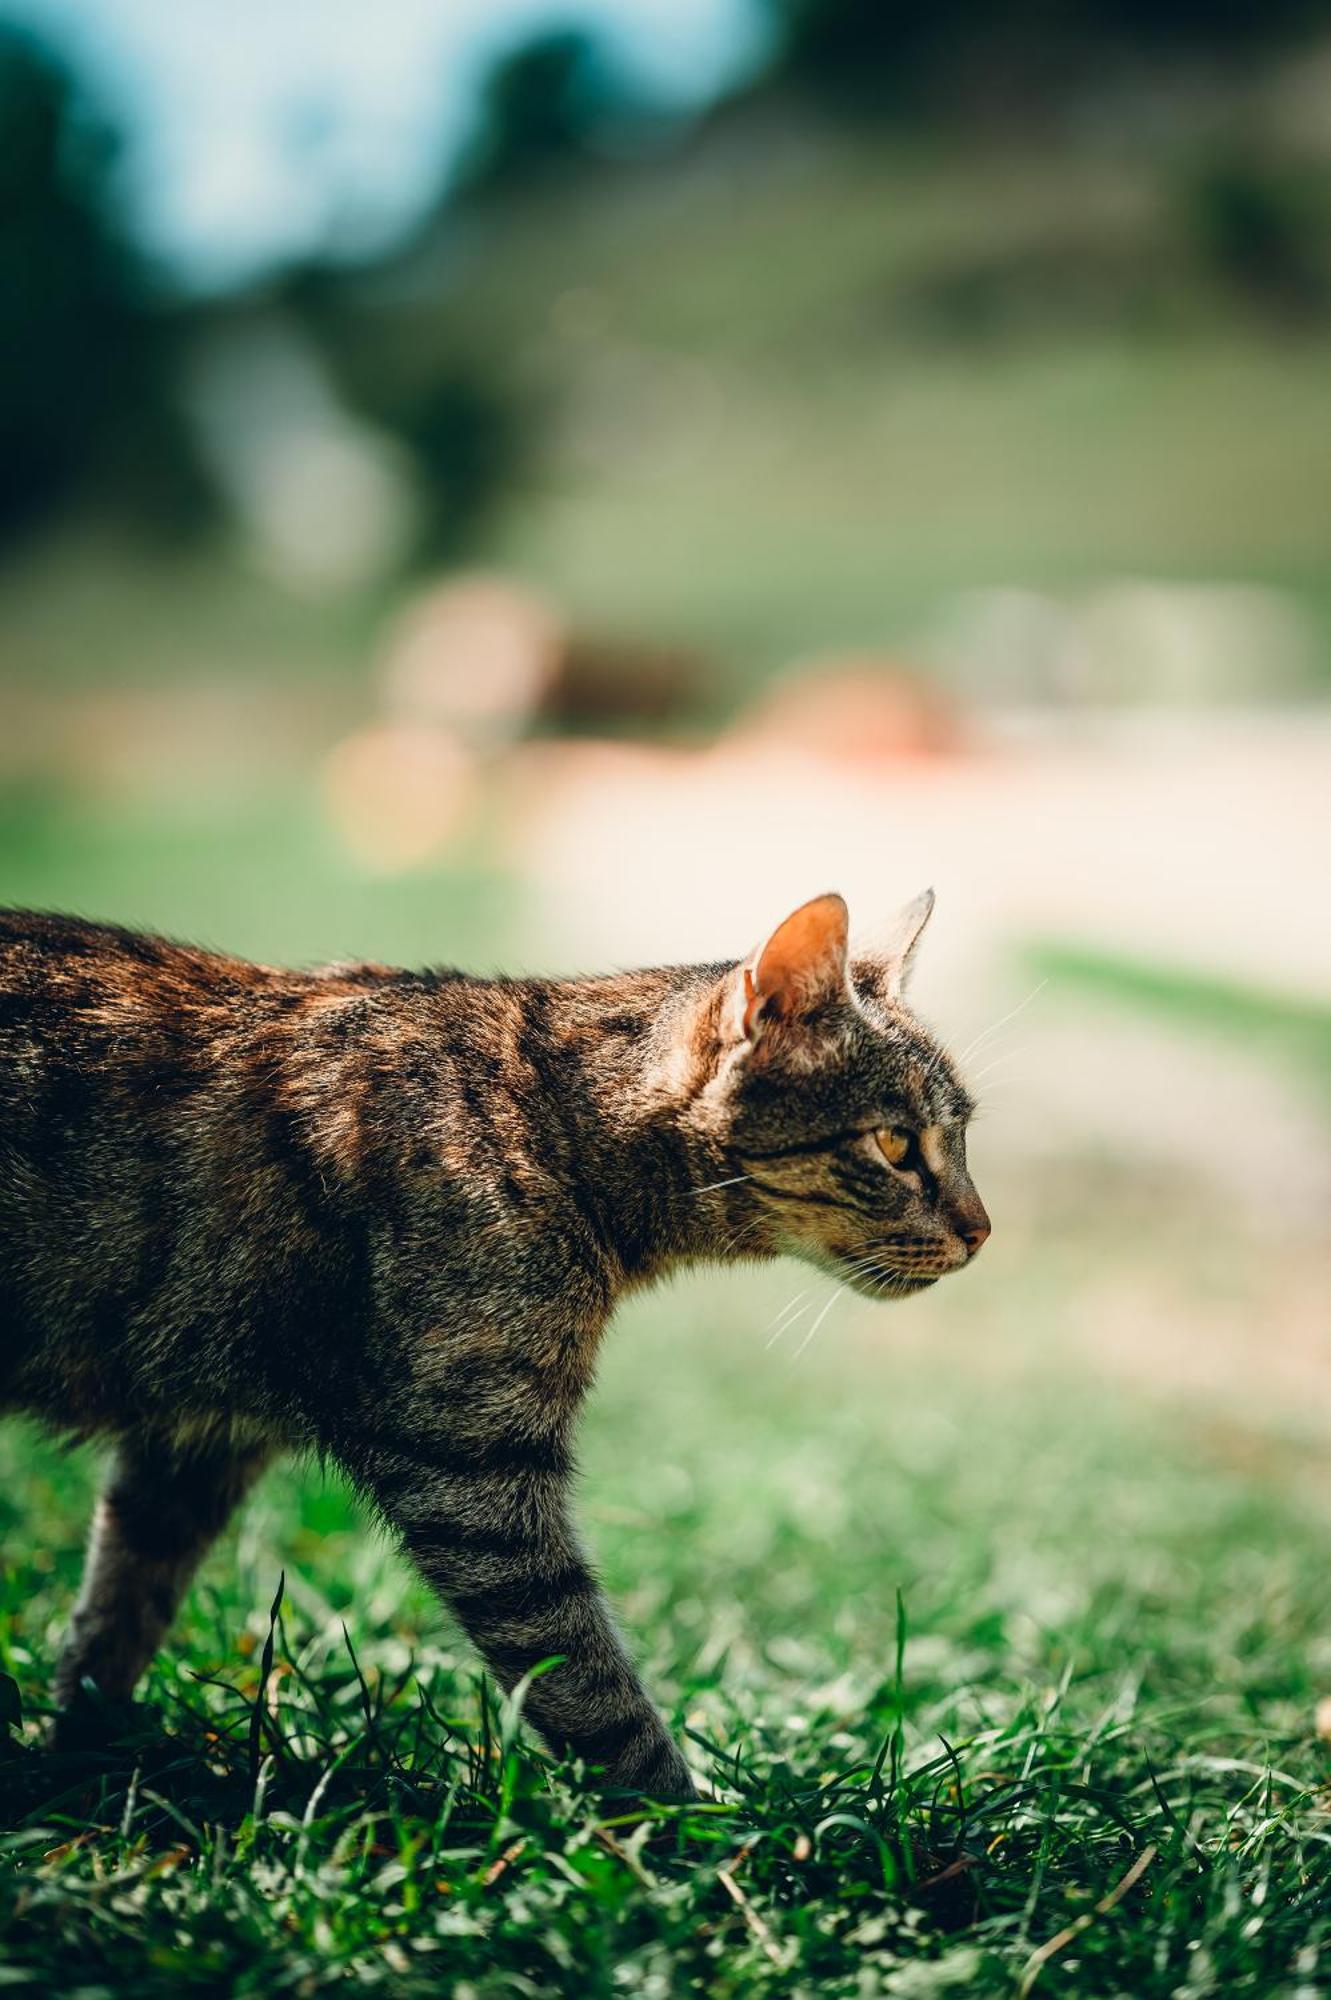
(1201, 842)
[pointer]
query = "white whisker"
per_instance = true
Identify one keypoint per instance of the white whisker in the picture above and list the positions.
(737, 1236)
(981, 1039)
(712, 1186)
(998, 1062)
(832, 1298)
(787, 1316)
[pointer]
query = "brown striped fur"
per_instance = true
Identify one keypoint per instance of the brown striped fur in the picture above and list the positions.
(385, 1216)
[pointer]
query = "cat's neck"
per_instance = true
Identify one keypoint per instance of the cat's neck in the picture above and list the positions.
(633, 1050)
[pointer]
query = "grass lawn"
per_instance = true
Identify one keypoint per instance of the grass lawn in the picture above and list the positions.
(1092, 1768)
(1002, 1678)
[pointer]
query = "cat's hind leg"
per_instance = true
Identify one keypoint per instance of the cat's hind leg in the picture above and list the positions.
(163, 1502)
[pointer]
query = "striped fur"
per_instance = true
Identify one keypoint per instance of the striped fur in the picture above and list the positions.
(386, 1216)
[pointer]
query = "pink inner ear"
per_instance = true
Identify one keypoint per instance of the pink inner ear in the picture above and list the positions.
(803, 962)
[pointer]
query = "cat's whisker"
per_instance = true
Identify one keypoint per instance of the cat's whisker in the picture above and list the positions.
(998, 1062)
(1002, 1022)
(937, 1063)
(869, 1259)
(744, 1228)
(831, 1300)
(712, 1186)
(790, 1327)
(882, 1282)
(863, 1264)
(787, 1317)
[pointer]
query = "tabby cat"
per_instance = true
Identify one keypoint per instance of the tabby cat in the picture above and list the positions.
(384, 1216)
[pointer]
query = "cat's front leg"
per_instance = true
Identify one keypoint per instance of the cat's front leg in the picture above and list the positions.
(487, 1523)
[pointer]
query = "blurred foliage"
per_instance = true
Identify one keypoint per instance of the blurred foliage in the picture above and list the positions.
(466, 438)
(551, 101)
(1289, 1029)
(456, 411)
(614, 390)
(85, 357)
(1263, 229)
(915, 55)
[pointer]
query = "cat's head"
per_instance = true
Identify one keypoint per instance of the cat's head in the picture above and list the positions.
(843, 1115)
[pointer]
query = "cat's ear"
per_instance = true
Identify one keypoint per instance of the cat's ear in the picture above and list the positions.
(801, 965)
(893, 950)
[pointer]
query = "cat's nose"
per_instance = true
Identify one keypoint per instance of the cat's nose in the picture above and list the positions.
(975, 1236)
(973, 1228)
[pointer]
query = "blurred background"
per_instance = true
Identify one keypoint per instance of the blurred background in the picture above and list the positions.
(540, 486)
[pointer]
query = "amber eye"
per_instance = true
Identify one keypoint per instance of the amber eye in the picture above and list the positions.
(895, 1144)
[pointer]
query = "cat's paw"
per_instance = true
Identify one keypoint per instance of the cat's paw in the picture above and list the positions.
(665, 1779)
(89, 1720)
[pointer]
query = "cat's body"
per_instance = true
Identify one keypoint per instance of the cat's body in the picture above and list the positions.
(385, 1216)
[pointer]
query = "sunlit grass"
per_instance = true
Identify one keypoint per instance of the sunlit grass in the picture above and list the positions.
(1094, 1761)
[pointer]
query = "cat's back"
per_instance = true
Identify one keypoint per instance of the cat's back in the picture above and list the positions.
(148, 1141)
(93, 1004)
(56, 969)
(95, 1018)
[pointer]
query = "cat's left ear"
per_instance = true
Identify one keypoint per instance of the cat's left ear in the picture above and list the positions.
(893, 951)
(801, 966)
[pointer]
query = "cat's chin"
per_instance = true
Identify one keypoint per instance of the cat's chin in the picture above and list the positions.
(881, 1286)
(896, 1287)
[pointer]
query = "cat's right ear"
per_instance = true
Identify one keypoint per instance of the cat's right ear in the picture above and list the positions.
(801, 966)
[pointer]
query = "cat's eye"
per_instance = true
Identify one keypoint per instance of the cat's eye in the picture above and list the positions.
(895, 1144)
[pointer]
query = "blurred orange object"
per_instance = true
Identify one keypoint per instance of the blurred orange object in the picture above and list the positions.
(856, 710)
(479, 654)
(398, 793)
(489, 657)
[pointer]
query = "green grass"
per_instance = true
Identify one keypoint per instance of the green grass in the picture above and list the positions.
(266, 879)
(1297, 1032)
(86, 608)
(1093, 1767)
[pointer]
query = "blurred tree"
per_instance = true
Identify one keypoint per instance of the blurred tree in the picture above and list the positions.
(1264, 232)
(861, 54)
(548, 103)
(455, 411)
(84, 404)
(913, 55)
(462, 430)
(1220, 28)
